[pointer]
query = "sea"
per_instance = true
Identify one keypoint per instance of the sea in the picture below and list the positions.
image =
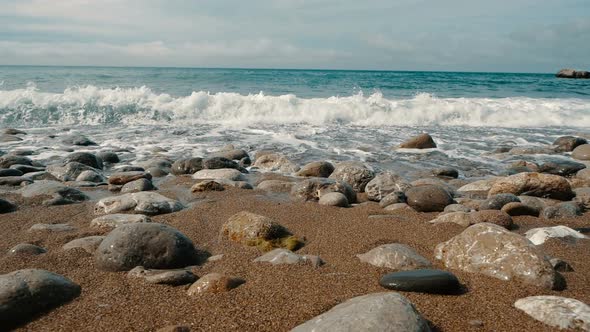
(308, 115)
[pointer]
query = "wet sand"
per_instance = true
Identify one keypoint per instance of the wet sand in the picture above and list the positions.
(274, 298)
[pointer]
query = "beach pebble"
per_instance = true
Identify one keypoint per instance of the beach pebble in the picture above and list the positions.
(496, 252)
(319, 169)
(10, 172)
(562, 210)
(422, 281)
(456, 208)
(583, 174)
(355, 173)
(27, 293)
(69, 171)
(219, 163)
(116, 220)
(581, 152)
(121, 178)
(144, 202)
(374, 312)
(245, 227)
(151, 245)
(166, 277)
(540, 235)
(207, 185)
(428, 198)
(6, 206)
(276, 186)
(556, 311)
(26, 249)
(56, 190)
(91, 176)
(561, 265)
(534, 184)
(88, 244)
(27, 168)
(312, 189)
(138, 185)
(384, 184)
(79, 140)
(568, 143)
(561, 167)
(398, 206)
(14, 180)
(519, 209)
(53, 228)
(187, 166)
(108, 157)
(214, 283)
(446, 172)
(478, 186)
(496, 217)
(284, 256)
(7, 161)
(392, 198)
(129, 168)
(395, 256)
(157, 172)
(333, 199)
(422, 141)
(275, 162)
(496, 202)
(219, 174)
(232, 154)
(459, 218)
(85, 158)
(582, 198)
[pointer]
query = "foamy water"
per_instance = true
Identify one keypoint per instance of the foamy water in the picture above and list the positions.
(308, 115)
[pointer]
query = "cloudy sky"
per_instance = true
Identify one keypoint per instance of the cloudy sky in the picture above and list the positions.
(465, 35)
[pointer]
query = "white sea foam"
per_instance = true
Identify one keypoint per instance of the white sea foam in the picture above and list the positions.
(92, 105)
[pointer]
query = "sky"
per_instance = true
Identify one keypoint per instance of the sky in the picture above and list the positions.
(446, 35)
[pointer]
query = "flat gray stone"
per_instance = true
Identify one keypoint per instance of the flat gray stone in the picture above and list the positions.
(375, 312)
(144, 202)
(395, 256)
(89, 244)
(557, 311)
(165, 277)
(118, 219)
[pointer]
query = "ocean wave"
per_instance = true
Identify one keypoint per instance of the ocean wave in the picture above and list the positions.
(92, 105)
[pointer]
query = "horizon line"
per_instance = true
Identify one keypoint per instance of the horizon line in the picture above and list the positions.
(292, 69)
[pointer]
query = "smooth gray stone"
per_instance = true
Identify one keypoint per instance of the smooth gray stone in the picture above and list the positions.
(166, 277)
(89, 244)
(26, 249)
(422, 281)
(27, 293)
(151, 245)
(496, 202)
(27, 168)
(10, 172)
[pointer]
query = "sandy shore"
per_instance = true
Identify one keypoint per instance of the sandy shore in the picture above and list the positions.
(274, 298)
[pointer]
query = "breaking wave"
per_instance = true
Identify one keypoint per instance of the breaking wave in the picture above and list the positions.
(92, 105)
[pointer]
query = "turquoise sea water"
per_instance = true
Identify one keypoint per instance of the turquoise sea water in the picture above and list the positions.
(306, 114)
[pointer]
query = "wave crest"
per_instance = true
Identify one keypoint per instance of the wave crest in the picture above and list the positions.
(92, 105)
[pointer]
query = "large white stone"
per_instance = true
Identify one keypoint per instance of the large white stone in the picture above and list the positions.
(557, 311)
(540, 235)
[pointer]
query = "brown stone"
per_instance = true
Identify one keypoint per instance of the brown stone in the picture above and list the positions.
(423, 141)
(534, 184)
(214, 283)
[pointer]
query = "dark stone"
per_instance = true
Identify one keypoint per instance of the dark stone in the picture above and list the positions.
(7, 161)
(320, 169)
(561, 167)
(233, 154)
(108, 157)
(13, 131)
(423, 141)
(187, 166)
(446, 172)
(79, 140)
(570, 73)
(85, 158)
(10, 172)
(219, 163)
(519, 209)
(422, 281)
(428, 198)
(151, 245)
(26, 249)
(6, 206)
(496, 202)
(27, 168)
(138, 185)
(130, 169)
(562, 210)
(27, 293)
(13, 180)
(121, 178)
(568, 143)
